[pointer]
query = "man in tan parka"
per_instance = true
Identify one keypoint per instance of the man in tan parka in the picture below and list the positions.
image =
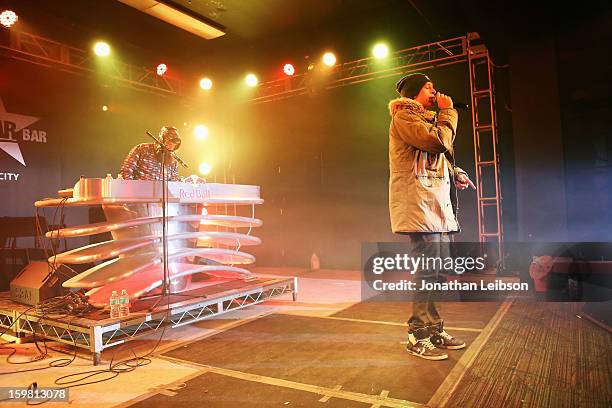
(422, 168)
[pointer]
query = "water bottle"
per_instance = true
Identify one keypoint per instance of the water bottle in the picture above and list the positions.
(124, 304)
(114, 305)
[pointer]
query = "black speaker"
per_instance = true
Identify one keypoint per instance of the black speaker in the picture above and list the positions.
(38, 281)
(13, 260)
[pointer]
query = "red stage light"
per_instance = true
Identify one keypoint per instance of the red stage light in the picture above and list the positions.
(288, 69)
(161, 69)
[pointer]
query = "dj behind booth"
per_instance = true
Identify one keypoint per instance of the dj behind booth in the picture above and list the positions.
(151, 223)
(144, 161)
(40, 279)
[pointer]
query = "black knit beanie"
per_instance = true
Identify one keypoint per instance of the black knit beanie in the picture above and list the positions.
(410, 85)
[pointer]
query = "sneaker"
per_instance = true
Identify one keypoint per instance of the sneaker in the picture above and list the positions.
(441, 339)
(420, 345)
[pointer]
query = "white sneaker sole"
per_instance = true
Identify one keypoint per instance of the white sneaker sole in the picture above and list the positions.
(452, 347)
(440, 357)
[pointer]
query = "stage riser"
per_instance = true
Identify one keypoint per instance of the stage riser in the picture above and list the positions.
(98, 335)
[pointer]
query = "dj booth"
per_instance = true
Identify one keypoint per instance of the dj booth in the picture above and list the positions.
(203, 246)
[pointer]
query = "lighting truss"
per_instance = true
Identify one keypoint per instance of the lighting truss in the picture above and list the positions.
(52, 54)
(421, 57)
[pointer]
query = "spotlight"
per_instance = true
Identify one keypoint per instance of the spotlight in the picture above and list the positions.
(329, 59)
(289, 69)
(205, 168)
(251, 80)
(162, 69)
(200, 132)
(380, 50)
(8, 18)
(102, 49)
(104, 108)
(206, 83)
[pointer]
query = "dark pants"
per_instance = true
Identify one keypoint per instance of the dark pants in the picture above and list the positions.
(435, 245)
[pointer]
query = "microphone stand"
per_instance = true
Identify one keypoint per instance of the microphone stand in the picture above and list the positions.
(165, 292)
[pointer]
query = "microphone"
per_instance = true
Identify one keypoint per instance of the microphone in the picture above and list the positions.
(172, 152)
(461, 105)
(458, 105)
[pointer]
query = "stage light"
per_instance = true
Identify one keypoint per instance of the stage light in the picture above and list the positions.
(205, 168)
(289, 69)
(251, 80)
(104, 108)
(162, 69)
(329, 59)
(102, 49)
(206, 83)
(8, 18)
(200, 132)
(380, 50)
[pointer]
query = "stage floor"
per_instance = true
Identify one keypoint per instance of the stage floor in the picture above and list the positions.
(330, 348)
(362, 357)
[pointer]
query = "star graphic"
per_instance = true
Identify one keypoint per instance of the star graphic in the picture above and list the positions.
(13, 150)
(20, 121)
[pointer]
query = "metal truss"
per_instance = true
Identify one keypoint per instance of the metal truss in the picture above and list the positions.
(52, 54)
(51, 329)
(191, 313)
(96, 336)
(7, 318)
(486, 152)
(421, 57)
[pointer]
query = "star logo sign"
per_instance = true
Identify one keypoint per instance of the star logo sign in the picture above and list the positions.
(12, 123)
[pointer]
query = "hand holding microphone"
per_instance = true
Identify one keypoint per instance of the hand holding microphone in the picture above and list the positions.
(444, 101)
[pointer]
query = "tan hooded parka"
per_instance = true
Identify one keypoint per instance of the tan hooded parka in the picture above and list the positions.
(421, 165)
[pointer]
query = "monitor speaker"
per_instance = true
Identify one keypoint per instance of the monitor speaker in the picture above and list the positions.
(39, 281)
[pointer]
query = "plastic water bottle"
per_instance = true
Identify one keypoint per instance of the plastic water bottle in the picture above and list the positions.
(124, 304)
(114, 305)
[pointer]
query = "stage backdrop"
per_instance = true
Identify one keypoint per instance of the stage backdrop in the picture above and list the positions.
(322, 161)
